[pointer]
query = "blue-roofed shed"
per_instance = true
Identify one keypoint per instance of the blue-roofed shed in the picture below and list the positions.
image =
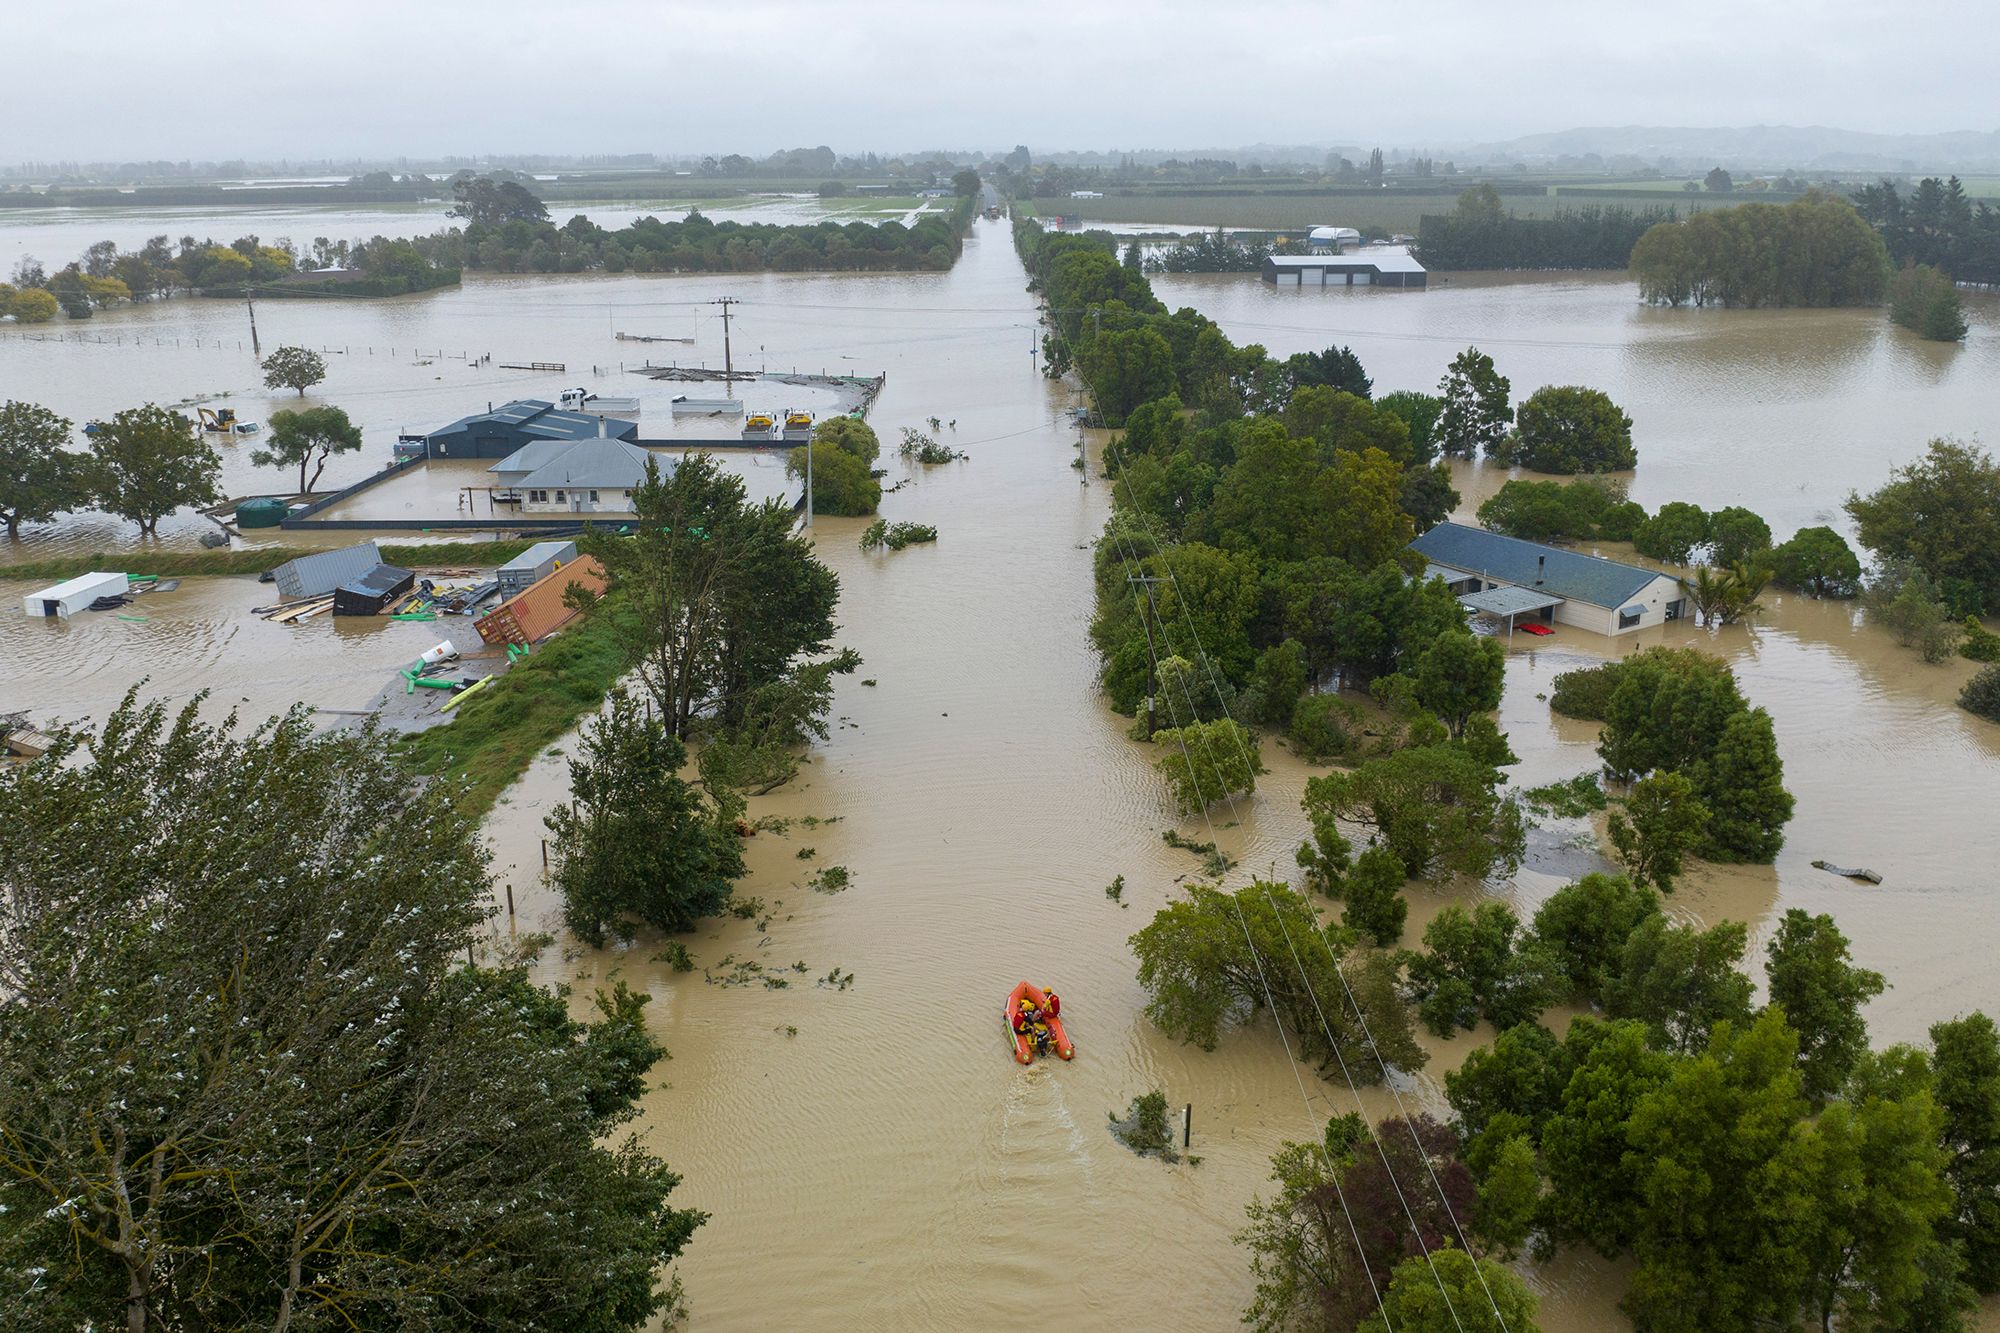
(1559, 586)
(499, 432)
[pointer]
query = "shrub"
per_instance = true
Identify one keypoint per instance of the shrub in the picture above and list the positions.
(1980, 644)
(1586, 692)
(1325, 727)
(1981, 695)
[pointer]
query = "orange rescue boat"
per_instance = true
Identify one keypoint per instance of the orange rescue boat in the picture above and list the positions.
(1043, 1030)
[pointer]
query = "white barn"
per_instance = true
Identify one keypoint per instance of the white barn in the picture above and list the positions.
(1516, 580)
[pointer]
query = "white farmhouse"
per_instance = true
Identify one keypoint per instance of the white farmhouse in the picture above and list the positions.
(1514, 580)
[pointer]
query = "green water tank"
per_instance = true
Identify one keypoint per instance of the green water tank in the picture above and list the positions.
(262, 512)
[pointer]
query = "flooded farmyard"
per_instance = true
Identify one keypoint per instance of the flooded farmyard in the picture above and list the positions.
(868, 1153)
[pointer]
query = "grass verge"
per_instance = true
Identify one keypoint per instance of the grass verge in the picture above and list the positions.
(181, 564)
(495, 734)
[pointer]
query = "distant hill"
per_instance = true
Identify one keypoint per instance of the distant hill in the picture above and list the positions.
(1770, 147)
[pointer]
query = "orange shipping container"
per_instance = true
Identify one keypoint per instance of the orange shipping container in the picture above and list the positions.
(538, 610)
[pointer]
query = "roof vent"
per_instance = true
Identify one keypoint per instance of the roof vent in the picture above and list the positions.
(1541, 564)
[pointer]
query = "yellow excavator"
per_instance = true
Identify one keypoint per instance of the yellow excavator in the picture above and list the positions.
(222, 421)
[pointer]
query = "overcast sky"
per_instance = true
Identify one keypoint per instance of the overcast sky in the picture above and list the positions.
(141, 79)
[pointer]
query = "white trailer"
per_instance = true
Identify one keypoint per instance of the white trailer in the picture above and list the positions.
(66, 599)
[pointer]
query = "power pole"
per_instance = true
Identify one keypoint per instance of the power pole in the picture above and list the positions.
(728, 363)
(255, 350)
(1152, 681)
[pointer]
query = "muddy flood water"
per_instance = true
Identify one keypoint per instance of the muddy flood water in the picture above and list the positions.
(871, 1156)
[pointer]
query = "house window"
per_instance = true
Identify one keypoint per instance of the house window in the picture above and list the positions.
(559, 497)
(538, 497)
(1629, 617)
(593, 497)
(1675, 610)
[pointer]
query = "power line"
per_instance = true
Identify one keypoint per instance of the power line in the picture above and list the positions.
(1304, 977)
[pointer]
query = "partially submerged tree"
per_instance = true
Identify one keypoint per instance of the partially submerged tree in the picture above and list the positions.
(1207, 959)
(1205, 762)
(148, 462)
(726, 597)
(1814, 980)
(1661, 823)
(636, 841)
(39, 477)
(1567, 429)
(1478, 405)
(1436, 807)
(307, 438)
(293, 368)
(248, 1078)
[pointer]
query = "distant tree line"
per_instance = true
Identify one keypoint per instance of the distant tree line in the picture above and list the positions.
(1478, 235)
(106, 275)
(1936, 224)
(1212, 252)
(698, 244)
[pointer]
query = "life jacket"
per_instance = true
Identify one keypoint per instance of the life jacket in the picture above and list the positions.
(1055, 1003)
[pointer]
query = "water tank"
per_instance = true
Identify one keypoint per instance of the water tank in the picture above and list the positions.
(262, 512)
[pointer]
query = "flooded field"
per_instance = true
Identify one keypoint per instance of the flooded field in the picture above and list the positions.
(871, 1156)
(1783, 411)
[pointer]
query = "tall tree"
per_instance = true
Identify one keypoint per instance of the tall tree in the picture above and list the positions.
(726, 597)
(1817, 561)
(635, 840)
(39, 478)
(1586, 926)
(1568, 429)
(1458, 676)
(1662, 822)
(1680, 982)
(1943, 513)
(148, 462)
(1821, 991)
(307, 437)
(1965, 1053)
(1472, 967)
(1478, 405)
(1722, 1183)
(249, 1080)
(293, 368)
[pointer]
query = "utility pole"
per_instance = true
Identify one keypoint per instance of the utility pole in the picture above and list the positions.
(255, 349)
(1152, 681)
(728, 363)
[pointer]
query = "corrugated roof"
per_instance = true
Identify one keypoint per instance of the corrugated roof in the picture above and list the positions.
(320, 573)
(1567, 574)
(542, 420)
(533, 455)
(1509, 601)
(601, 463)
(1382, 261)
(540, 552)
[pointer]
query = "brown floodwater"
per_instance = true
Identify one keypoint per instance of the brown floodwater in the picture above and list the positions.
(872, 1156)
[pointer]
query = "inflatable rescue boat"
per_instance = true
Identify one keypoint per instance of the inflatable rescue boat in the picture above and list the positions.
(1047, 1016)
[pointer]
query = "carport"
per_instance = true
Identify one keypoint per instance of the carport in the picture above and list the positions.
(1510, 604)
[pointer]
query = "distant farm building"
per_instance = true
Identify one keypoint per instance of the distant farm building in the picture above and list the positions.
(1086, 194)
(500, 433)
(1332, 240)
(1378, 267)
(1513, 581)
